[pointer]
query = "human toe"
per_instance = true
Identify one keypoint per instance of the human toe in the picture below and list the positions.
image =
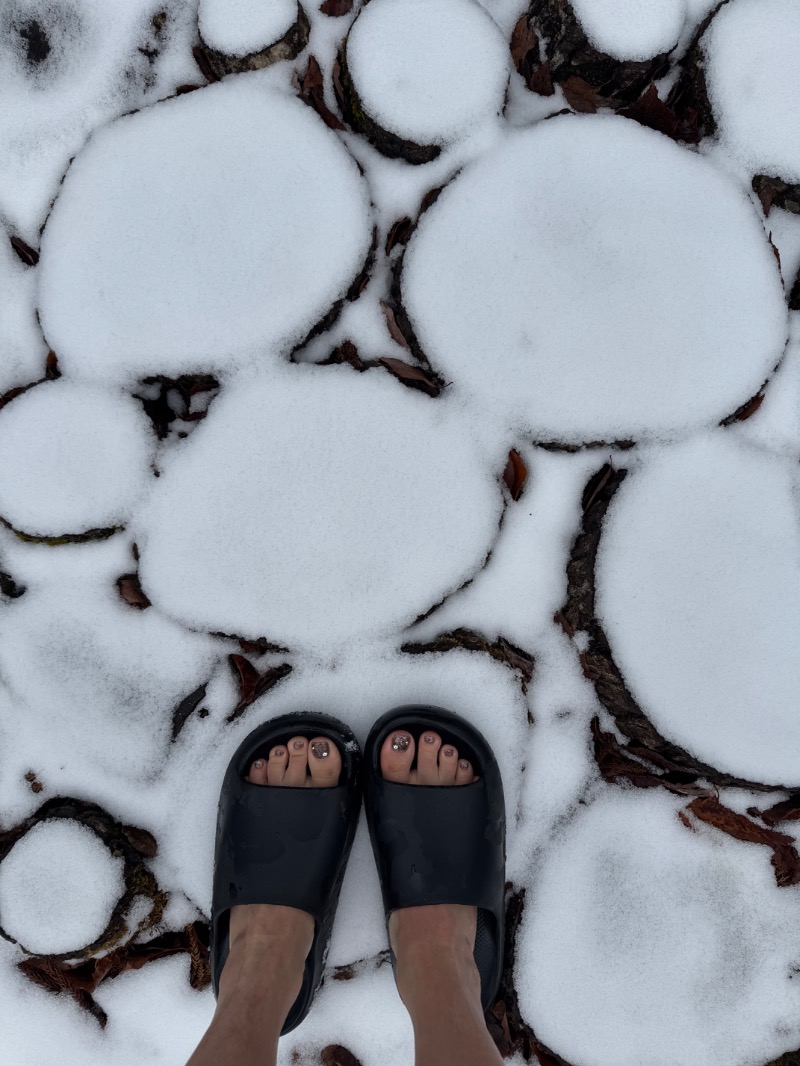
(324, 763)
(397, 755)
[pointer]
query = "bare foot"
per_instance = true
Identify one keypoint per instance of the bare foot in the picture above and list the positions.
(438, 938)
(283, 934)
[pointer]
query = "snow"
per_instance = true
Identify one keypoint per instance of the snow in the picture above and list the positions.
(631, 29)
(619, 285)
(85, 450)
(553, 304)
(85, 68)
(138, 278)
(698, 591)
(635, 921)
(240, 27)
(428, 70)
(334, 484)
(753, 80)
(58, 887)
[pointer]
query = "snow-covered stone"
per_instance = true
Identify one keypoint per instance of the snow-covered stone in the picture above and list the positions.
(92, 682)
(753, 80)
(73, 457)
(631, 29)
(64, 70)
(634, 923)
(318, 507)
(428, 70)
(200, 234)
(698, 591)
(22, 347)
(58, 887)
(590, 279)
(240, 27)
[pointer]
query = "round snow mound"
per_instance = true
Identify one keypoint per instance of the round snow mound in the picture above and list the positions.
(428, 70)
(591, 280)
(753, 77)
(200, 232)
(631, 29)
(241, 27)
(317, 507)
(72, 458)
(644, 942)
(698, 591)
(58, 887)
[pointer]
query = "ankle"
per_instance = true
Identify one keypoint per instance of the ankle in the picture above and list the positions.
(426, 977)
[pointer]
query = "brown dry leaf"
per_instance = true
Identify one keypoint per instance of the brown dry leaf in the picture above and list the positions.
(335, 8)
(794, 294)
(197, 936)
(312, 93)
(9, 587)
(595, 485)
(561, 619)
(741, 414)
(650, 110)
(515, 474)
(786, 811)
(412, 376)
(141, 840)
(201, 59)
(391, 324)
(785, 860)
(774, 248)
(51, 371)
(541, 81)
(28, 255)
(131, 591)
(181, 713)
(336, 1055)
(252, 684)
(581, 96)
(525, 54)
(765, 192)
(399, 232)
(182, 90)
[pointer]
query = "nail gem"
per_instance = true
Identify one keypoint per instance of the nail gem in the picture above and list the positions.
(258, 763)
(400, 742)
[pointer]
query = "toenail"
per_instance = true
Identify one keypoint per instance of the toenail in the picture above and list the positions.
(400, 742)
(448, 752)
(258, 763)
(298, 744)
(429, 739)
(321, 749)
(463, 764)
(278, 752)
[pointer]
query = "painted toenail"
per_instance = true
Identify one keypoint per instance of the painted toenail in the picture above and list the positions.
(448, 752)
(258, 763)
(463, 764)
(400, 742)
(298, 744)
(320, 750)
(278, 752)
(429, 739)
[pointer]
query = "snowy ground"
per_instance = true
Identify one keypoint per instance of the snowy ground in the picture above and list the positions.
(357, 379)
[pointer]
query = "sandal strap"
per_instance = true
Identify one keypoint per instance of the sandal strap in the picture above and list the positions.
(282, 846)
(436, 844)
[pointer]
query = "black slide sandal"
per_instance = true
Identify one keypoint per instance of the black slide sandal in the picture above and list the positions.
(285, 846)
(442, 843)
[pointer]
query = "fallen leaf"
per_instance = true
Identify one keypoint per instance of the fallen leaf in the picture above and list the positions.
(774, 248)
(581, 96)
(28, 255)
(51, 371)
(335, 8)
(741, 414)
(786, 811)
(515, 474)
(9, 587)
(185, 708)
(252, 684)
(336, 1055)
(312, 93)
(201, 59)
(395, 332)
(399, 232)
(412, 376)
(794, 295)
(541, 81)
(131, 591)
(141, 840)
(595, 485)
(650, 110)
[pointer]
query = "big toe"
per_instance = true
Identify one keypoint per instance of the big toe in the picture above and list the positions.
(397, 755)
(324, 763)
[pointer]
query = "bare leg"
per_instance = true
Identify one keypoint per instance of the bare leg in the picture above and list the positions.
(436, 973)
(263, 973)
